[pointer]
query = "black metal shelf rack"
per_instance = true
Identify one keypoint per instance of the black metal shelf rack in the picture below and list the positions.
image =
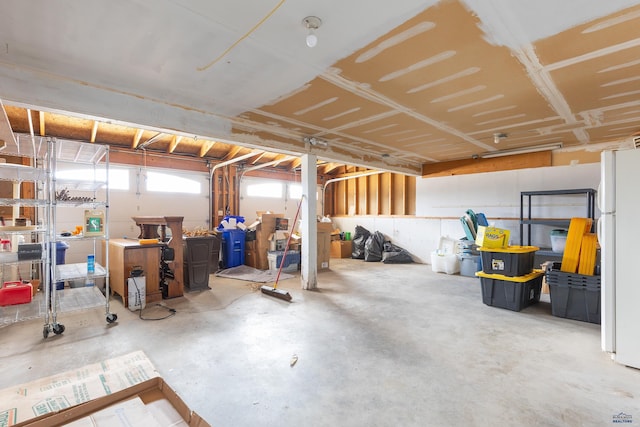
(526, 222)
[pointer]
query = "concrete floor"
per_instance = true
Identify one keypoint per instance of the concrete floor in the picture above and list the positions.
(377, 345)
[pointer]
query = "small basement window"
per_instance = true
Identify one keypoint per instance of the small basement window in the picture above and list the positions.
(270, 190)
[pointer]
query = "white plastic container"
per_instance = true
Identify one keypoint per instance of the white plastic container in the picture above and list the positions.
(558, 240)
(445, 263)
(137, 294)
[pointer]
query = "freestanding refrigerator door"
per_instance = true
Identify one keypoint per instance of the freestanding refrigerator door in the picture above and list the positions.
(627, 278)
(606, 237)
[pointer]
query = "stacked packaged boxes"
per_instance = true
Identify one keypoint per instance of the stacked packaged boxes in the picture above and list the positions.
(507, 277)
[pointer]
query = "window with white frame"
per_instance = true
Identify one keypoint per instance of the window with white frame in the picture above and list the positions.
(118, 178)
(170, 183)
(295, 191)
(271, 190)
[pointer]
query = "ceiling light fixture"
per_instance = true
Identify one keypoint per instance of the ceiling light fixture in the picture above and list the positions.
(312, 23)
(524, 150)
(497, 137)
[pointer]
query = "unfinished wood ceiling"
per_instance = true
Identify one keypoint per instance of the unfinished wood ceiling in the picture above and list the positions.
(390, 85)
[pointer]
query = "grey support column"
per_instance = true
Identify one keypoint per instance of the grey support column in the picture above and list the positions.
(309, 227)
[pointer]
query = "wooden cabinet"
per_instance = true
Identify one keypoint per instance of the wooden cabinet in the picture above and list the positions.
(126, 254)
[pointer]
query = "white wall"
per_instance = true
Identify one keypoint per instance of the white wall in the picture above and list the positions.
(441, 201)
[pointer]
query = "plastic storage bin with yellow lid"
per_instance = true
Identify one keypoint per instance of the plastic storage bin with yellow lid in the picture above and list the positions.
(512, 293)
(509, 261)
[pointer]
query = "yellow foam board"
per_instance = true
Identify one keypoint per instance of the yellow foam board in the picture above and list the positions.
(571, 257)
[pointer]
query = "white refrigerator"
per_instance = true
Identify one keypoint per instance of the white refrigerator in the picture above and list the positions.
(619, 236)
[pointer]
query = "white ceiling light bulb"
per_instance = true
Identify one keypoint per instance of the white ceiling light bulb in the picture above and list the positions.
(312, 39)
(312, 23)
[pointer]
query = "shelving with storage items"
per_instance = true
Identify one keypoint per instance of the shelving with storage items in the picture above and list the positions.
(587, 198)
(79, 211)
(33, 203)
(23, 233)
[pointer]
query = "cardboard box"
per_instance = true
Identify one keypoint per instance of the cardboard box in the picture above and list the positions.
(341, 249)
(324, 244)
(264, 230)
(250, 258)
(79, 393)
(492, 237)
(150, 403)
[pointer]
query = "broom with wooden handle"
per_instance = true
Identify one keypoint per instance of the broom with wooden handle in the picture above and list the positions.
(273, 290)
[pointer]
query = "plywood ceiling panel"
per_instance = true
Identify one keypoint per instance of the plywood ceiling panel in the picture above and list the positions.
(326, 106)
(607, 34)
(612, 79)
(428, 82)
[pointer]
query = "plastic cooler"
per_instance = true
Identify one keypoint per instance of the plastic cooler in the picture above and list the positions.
(232, 248)
(291, 262)
(574, 296)
(512, 293)
(509, 261)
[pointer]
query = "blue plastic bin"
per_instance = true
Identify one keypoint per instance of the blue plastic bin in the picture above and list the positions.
(61, 250)
(232, 248)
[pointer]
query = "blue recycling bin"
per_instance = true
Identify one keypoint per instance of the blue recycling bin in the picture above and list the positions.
(61, 250)
(232, 248)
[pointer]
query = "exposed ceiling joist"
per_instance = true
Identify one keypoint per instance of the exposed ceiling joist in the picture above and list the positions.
(94, 131)
(136, 139)
(205, 147)
(42, 127)
(271, 163)
(151, 140)
(232, 153)
(175, 140)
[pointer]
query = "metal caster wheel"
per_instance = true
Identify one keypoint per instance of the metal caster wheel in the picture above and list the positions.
(112, 317)
(58, 328)
(45, 332)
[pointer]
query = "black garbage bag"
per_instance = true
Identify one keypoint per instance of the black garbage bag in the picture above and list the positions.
(373, 247)
(394, 254)
(397, 257)
(359, 239)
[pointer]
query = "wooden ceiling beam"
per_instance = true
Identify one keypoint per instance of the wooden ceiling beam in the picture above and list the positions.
(151, 140)
(233, 152)
(469, 166)
(330, 167)
(94, 131)
(136, 139)
(174, 143)
(205, 147)
(295, 163)
(42, 128)
(258, 157)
